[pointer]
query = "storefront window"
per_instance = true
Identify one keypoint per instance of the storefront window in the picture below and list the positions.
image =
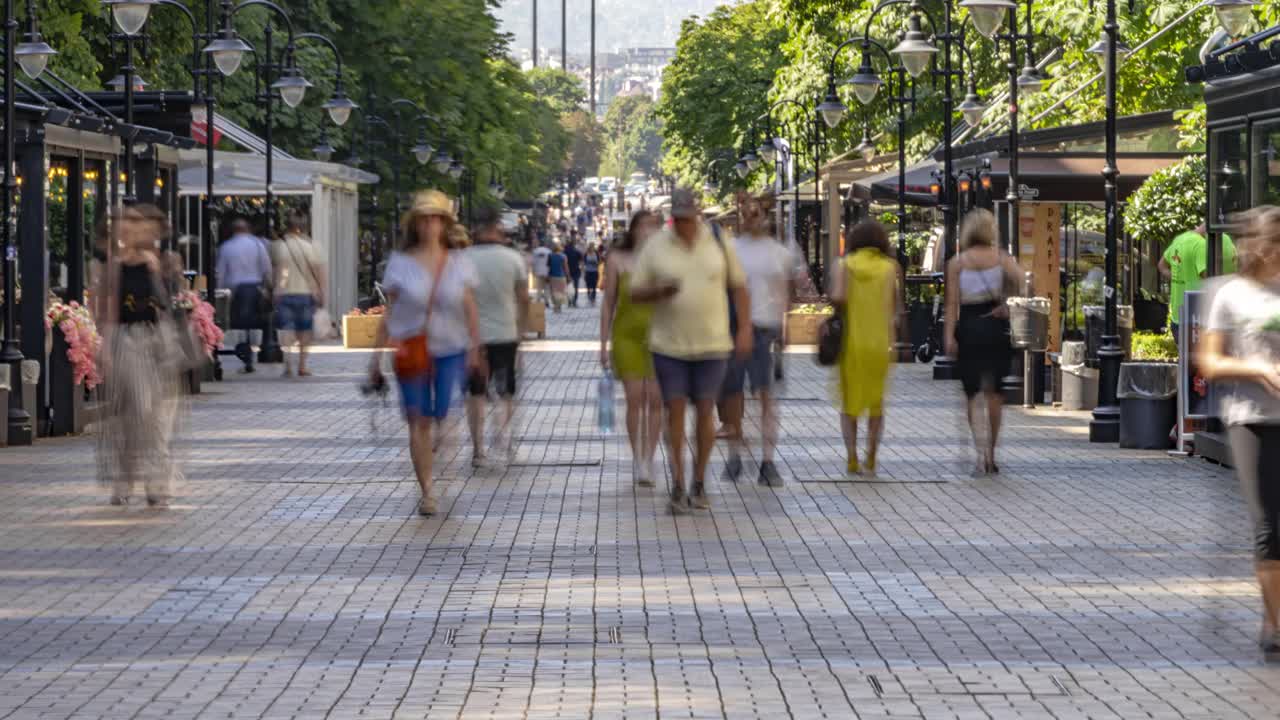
(1266, 141)
(1228, 173)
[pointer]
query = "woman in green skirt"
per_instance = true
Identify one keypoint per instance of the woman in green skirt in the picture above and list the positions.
(625, 326)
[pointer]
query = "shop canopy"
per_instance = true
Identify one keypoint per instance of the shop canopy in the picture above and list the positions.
(1062, 164)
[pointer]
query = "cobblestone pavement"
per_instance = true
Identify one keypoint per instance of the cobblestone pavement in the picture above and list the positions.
(293, 579)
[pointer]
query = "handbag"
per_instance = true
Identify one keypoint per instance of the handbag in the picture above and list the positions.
(831, 333)
(413, 355)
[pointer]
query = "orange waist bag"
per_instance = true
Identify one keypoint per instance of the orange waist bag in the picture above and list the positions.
(412, 359)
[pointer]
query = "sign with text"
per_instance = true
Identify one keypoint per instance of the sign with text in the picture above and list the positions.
(1039, 236)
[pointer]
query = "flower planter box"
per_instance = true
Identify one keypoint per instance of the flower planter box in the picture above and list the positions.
(536, 321)
(360, 331)
(802, 327)
(67, 397)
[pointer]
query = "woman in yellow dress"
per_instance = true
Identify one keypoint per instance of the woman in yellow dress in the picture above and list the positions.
(865, 290)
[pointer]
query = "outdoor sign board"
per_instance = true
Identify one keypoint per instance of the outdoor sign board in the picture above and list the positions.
(1039, 240)
(1195, 393)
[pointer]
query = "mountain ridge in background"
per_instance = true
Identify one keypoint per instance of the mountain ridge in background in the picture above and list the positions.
(619, 24)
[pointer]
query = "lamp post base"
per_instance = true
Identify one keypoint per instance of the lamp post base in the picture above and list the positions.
(1013, 384)
(18, 420)
(902, 352)
(944, 368)
(1105, 425)
(270, 353)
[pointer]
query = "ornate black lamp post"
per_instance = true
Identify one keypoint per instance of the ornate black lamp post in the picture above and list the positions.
(32, 54)
(866, 84)
(769, 151)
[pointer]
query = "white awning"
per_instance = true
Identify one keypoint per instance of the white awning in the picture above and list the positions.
(243, 174)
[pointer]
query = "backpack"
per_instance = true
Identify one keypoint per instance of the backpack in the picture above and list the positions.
(733, 312)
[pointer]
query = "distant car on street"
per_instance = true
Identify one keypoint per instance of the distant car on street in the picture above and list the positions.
(608, 184)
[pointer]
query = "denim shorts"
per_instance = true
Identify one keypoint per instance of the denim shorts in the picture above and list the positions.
(295, 312)
(758, 367)
(429, 396)
(689, 379)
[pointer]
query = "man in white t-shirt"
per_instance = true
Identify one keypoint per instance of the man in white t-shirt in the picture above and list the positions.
(772, 270)
(542, 272)
(502, 303)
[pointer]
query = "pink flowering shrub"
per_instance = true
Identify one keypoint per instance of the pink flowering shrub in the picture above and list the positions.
(200, 315)
(83, 340)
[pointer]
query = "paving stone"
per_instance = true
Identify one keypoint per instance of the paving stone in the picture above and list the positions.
(292, 577)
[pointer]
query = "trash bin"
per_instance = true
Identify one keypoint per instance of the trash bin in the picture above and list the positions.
(1079, 381)
(1029, 322)
(1095, 321)
(1148, 397)
(4, 405)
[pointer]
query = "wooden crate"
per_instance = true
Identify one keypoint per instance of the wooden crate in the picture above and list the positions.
(802, 328)
(360, 331)
(536, 322)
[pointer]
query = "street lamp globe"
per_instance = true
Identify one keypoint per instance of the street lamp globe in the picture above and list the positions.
(339, 107)
(442, 161)
(742, 169)
(227, 52)
(323, 151)
(130, 15)
(832, 109)
(1233, 15)
(749, 157)
(292, 87)
(767, 150)
(422, 152)
(117, 83)
(33, 55)
(1029, 81)
(455, 170)
(1099, 50)
(866, 148)
(865, 83)
(988, 15)
(915, 50)
(972, 108)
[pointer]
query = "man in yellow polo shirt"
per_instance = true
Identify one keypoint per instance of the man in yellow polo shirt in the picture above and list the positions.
(689, 273)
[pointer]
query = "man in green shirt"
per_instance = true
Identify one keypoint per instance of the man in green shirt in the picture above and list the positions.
(1186, 264)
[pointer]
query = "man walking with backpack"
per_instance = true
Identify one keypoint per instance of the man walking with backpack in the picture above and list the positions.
(691, 276)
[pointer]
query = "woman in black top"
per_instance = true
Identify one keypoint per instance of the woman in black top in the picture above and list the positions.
(140, 351)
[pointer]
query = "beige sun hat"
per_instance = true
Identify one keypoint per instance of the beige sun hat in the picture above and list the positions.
(426, 203)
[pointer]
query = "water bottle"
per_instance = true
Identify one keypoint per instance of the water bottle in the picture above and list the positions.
(604, 415)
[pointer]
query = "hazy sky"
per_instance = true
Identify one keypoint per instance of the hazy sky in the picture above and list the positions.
(619, 24)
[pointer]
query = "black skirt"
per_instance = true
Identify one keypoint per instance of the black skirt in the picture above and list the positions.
(983, 347)
(247, 307)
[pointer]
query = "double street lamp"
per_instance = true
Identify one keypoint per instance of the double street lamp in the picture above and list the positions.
(1234, 17)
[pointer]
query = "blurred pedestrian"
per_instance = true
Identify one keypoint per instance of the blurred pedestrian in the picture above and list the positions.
(1240, 351)
(688, 274)
(591, 271)
(140, 359)
(558, 272)
(772, 270)
(1185, 263)
(502, 302)
(865, 291)
(542, 272)
(245, 267)
(432, 322)
(624, 347)
(978, 281)
(300, 288)
(573, 256)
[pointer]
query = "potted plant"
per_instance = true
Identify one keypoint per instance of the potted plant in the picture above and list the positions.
(73, 364)
(199, 315)
(360, 327)
(1148, 393)
(802, 323)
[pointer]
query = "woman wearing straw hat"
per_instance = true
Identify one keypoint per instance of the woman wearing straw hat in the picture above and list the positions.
(431, 322)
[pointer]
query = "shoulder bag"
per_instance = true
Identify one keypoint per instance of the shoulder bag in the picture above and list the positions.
(413, 354)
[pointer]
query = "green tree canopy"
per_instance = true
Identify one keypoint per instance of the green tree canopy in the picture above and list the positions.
(633, 137)
(563, 91)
